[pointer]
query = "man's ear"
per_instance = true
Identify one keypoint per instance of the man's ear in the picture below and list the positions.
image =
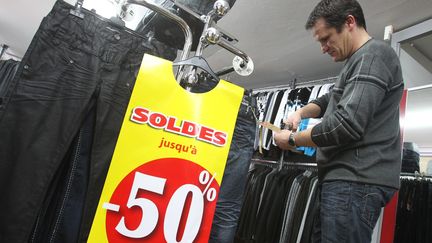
(350, 22)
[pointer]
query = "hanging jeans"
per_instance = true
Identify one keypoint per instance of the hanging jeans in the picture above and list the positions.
(349, 211)
(233, 185)
(72, 66)
(59, 219)
(234, 180)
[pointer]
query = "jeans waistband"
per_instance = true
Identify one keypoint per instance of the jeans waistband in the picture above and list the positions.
(248, 108)
(92, 34)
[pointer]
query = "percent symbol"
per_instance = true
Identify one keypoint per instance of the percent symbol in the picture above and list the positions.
(204, 178)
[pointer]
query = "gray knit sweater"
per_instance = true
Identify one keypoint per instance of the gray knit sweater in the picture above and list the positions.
(359, 136)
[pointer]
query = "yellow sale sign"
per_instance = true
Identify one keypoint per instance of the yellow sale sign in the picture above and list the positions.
(168, 163)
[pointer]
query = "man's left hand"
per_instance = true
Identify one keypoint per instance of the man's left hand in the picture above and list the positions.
(281, 139)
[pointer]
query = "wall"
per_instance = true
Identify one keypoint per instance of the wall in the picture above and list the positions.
(416, 64)
(426, 165)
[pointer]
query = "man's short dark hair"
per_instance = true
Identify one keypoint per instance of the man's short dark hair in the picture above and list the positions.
(335, 13)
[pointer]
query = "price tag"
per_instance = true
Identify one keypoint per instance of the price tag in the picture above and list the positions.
(164, 177)
(270, 126)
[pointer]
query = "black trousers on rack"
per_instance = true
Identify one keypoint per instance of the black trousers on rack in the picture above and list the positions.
(275, 206)
(72, 67)
(414, 213)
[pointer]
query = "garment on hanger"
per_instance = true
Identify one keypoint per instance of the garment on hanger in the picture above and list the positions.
(292, 100)
(73, 69)
(235, 176)
(233, 184)
(314, 93)
(75, 82)
(310, 212)
(248, 213)
(414, 211)
(262, 99)
(280, 119)
(278, 205)
(410, 158)
(266, 133)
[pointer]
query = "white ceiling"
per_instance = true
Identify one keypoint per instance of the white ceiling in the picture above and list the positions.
(19, 20)
(271, 32)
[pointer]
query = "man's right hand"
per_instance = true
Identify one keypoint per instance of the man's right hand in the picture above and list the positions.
(293, 121)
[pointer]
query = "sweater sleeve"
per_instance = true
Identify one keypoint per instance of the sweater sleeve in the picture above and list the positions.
(322, 102)
(365, 87)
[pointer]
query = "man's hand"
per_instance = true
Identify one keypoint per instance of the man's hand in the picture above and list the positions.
(281, 139)
(293, 121)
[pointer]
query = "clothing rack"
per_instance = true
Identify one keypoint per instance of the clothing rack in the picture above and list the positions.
(417, 176)
(293, 84)
(281, 162)
(284, 164)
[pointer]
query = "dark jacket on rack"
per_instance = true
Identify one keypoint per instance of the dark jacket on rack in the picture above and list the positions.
(410, 158)
(359, 138)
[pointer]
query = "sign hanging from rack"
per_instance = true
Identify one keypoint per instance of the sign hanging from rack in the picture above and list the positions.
(164, 177)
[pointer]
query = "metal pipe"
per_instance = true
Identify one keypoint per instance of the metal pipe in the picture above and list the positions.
(212, 35)
(183, 25)
(276, 162)
(201, 45)
(298, 85)
(224, 71)
(420, 87)
(207, 23)
(233, 49)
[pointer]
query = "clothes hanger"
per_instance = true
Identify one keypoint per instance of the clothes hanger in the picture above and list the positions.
(77, 11)
(200, 62)
(115, 20)
(3, 49)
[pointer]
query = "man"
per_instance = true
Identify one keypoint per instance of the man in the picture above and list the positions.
(358, 140)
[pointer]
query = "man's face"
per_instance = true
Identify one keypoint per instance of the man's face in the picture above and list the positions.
(337, 45)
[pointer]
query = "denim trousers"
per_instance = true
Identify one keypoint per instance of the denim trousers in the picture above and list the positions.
(72, 66)
(234, 180)
(349, 211)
